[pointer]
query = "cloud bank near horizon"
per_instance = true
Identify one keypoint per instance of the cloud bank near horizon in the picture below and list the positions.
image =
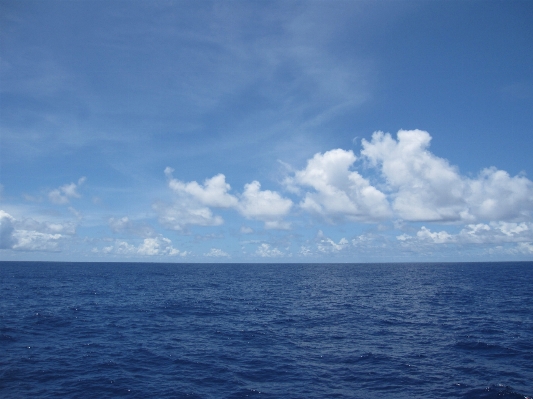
(397, 182)
(415, 186)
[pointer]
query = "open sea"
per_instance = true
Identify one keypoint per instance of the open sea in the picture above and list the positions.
(148, 330)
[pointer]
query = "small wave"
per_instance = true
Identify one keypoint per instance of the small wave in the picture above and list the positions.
(483, 346)
(494, 392)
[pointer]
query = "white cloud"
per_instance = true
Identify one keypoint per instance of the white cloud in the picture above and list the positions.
(265, 251)
(193, 203)
(418, 186)
(31, 235)
(403, 237)
(156, 246)
(425, 187)
(363, 239)
(497, 233)
(185, 212)
(118, 225)
(327, 245)
(125, 225)
(339, 193)
(525, 248)
(495, 195)
(214, 191)
(246, 230)
(511, 229)
(63, 194)
(266, 206)
(28, 240)
(7, 240)
(215, 252)
(440, 237)
(305, 251)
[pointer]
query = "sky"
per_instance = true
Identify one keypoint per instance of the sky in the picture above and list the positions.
(266, 131)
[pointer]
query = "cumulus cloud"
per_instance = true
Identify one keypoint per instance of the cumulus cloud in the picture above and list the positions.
(266, 251)
(327, 245)
(495, 195)
(425, 187)
(31, 235)
(7, 241)
(305, 251)
(266, 206)
(213, 193)
(495, 233)
(194, 202)
(155, 246)
(216, 253)
(525, 248)
(417, 186)
(339, 193)
(440, 237)
(63, 194)
(28, 240)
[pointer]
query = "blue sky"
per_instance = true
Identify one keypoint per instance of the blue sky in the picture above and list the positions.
(235, 131)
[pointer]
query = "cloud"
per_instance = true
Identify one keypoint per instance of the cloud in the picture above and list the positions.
(194, 200)
(495, 233)
(28, 240)
(125, 225)
(327, 245)
(214, 191)
(495, 195)
(185, 212)
(425, 187)
(437, 238)
(525, 248)
(63, 194)
(494, 207)
(265, 251)
(216, 253)
(156, 246)
(339, 193)
(266, 206)
(30, 235)
(305, 251)
(7, 240)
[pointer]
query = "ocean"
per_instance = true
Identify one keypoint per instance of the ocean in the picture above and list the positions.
(149, 330)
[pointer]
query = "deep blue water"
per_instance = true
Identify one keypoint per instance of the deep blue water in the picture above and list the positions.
(97, 330)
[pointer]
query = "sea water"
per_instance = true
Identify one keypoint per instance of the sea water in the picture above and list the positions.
(141, 330)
